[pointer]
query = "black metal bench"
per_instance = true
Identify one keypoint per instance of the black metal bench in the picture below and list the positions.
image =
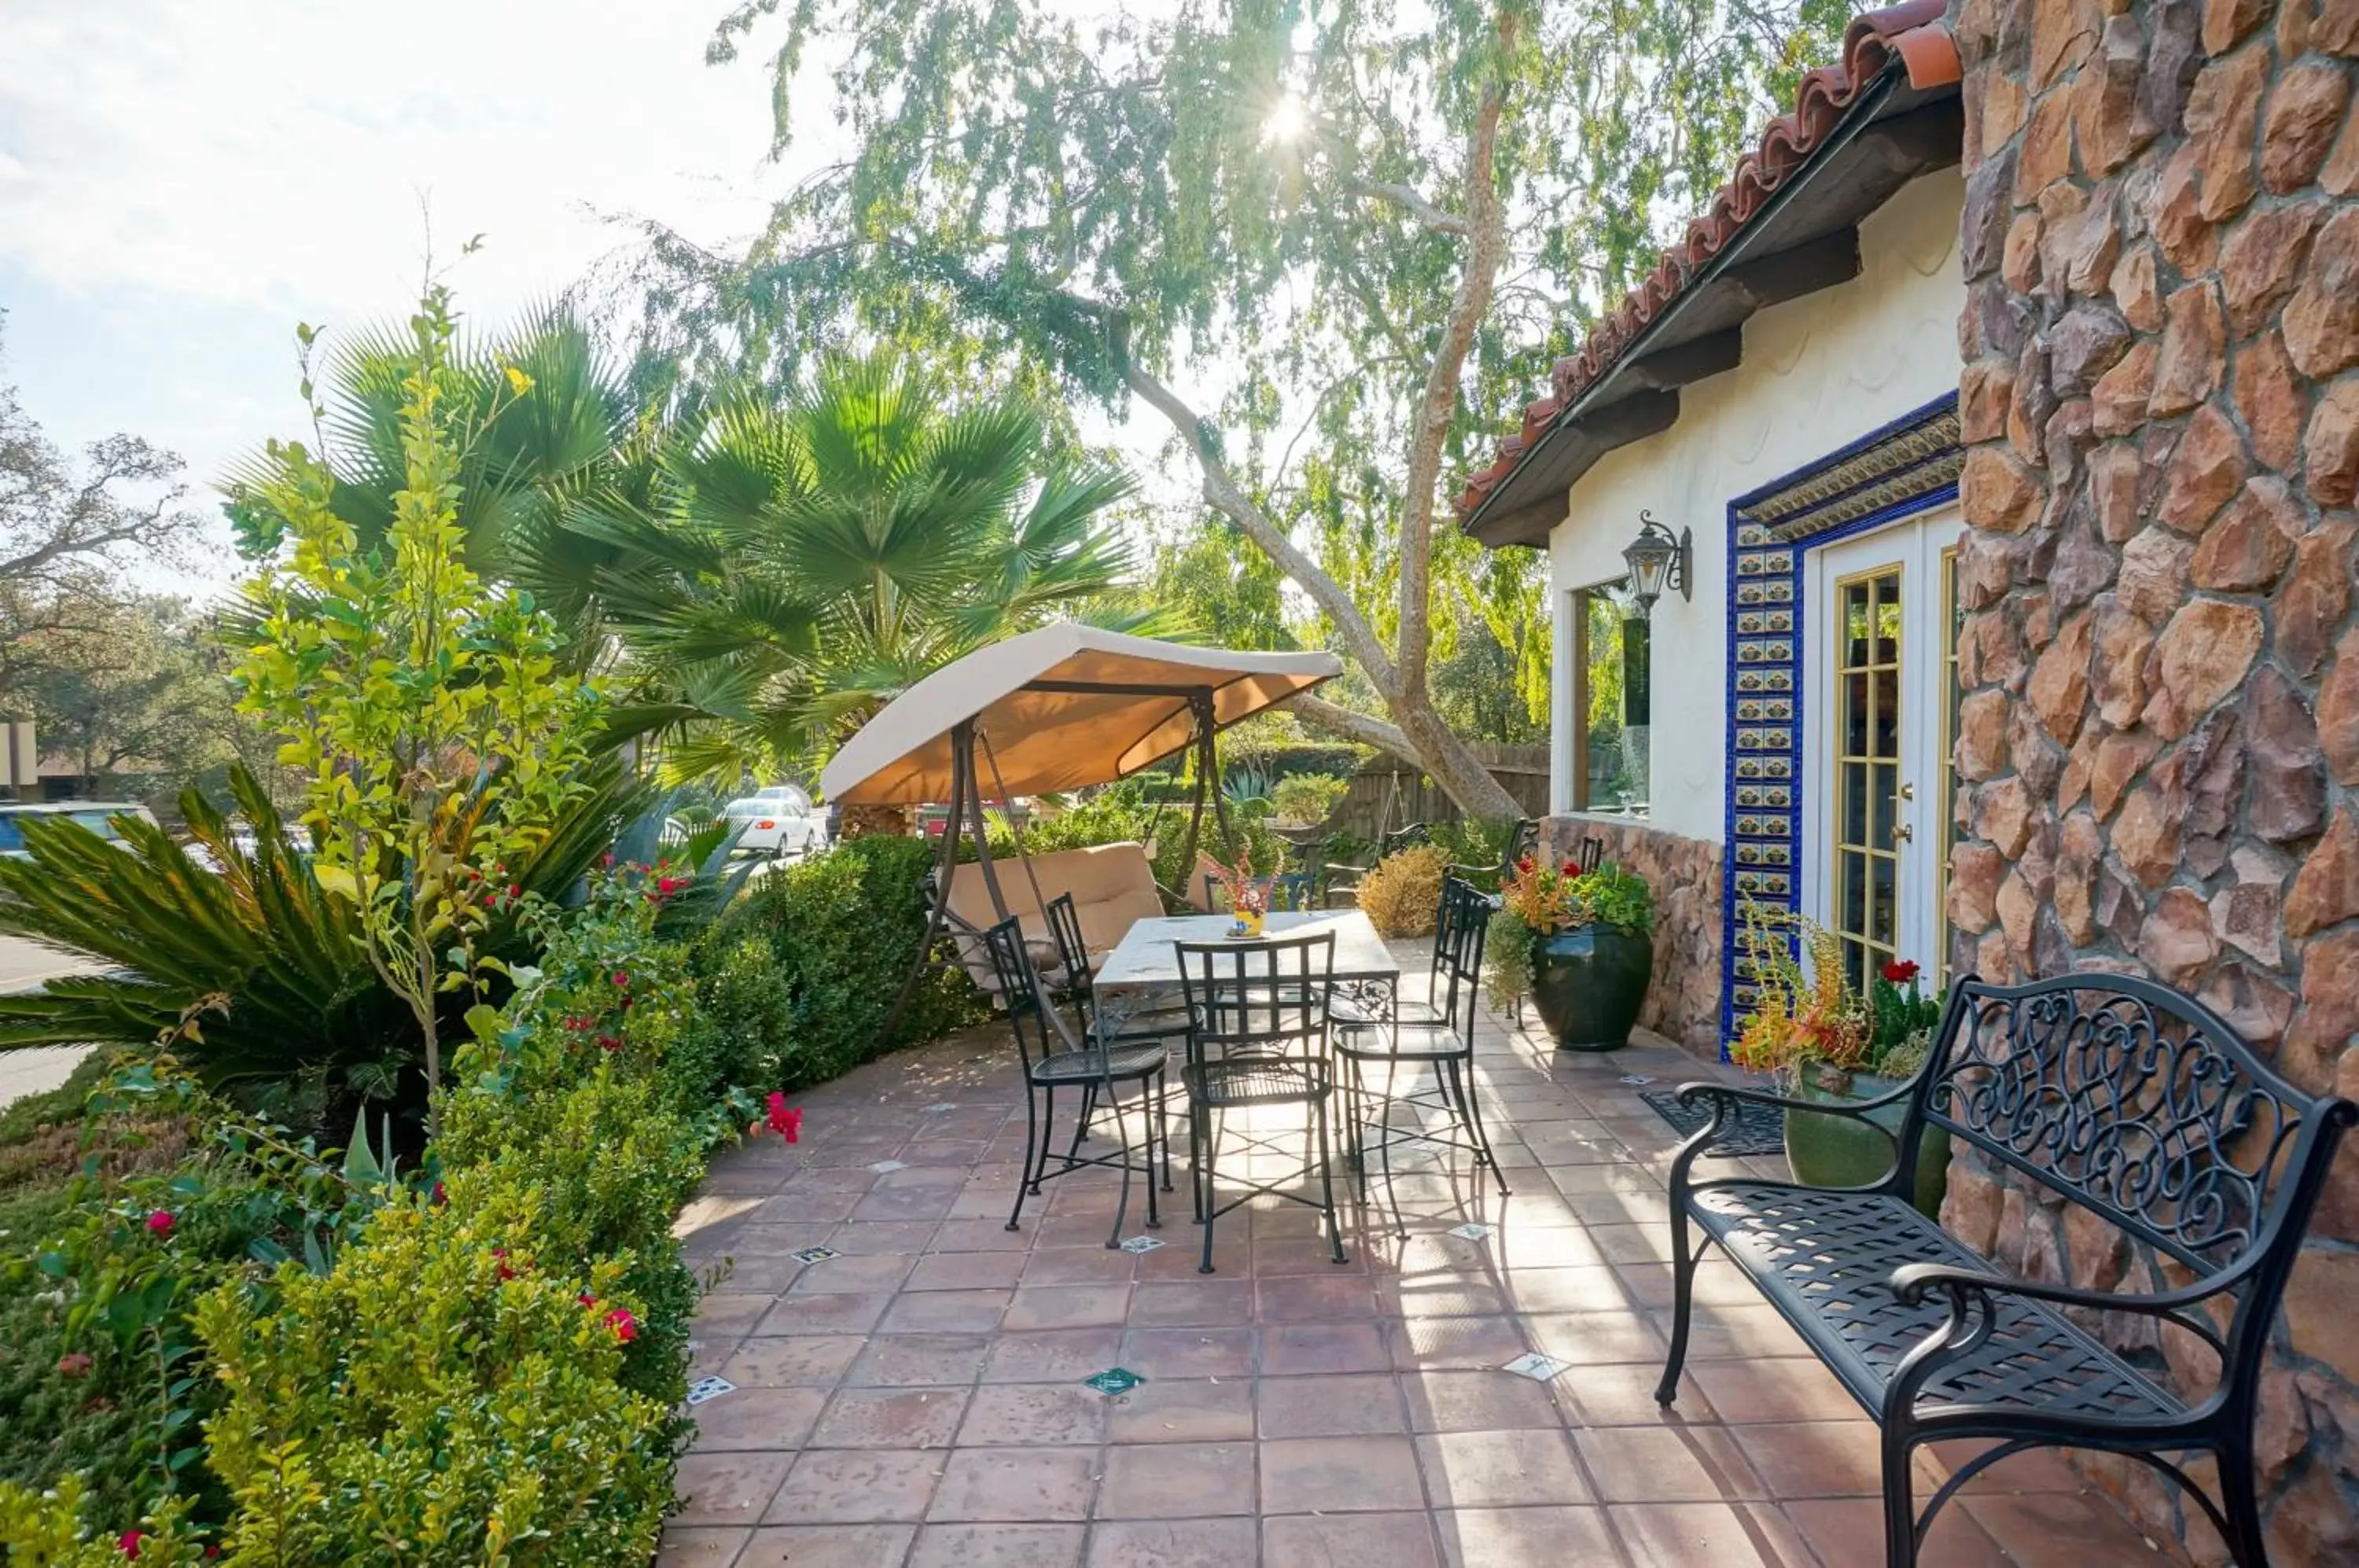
(2128, 1099)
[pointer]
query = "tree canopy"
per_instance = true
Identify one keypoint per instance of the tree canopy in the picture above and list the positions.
(1333, 245)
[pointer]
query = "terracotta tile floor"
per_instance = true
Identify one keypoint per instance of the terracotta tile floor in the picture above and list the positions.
(917, 1399)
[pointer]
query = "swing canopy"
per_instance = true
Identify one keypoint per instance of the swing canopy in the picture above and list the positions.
(1060, 708)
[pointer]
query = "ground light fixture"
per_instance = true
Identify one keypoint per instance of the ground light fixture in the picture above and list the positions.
(1659, 562)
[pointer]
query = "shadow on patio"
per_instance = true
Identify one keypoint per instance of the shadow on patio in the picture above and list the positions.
(918, 1397)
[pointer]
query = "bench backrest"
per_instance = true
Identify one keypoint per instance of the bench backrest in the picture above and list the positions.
(1112, 885)
(2137, 1103)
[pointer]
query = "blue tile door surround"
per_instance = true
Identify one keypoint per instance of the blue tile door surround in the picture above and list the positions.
(1900, 470)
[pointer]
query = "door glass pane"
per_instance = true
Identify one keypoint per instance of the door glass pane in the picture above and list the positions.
(1868, 736)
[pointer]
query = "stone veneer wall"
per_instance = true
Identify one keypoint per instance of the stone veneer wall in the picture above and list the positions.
(1684, 873)
(2159, 748)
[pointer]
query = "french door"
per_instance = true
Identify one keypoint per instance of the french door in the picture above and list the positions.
(1879, 666)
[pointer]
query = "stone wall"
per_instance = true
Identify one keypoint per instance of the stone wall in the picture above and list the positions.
(1684, 873)
(2159, 756)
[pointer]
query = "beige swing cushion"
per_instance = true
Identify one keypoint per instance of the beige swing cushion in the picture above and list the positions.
(1112, 887)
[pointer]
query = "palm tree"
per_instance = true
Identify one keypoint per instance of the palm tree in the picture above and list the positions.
(803, 563)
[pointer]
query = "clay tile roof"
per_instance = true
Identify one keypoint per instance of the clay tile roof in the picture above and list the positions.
(1913, 32)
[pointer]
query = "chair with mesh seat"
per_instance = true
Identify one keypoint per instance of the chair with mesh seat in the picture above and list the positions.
(1054, 1059)
(1123, 1023)
(1257, 1041)
(1445, 1043)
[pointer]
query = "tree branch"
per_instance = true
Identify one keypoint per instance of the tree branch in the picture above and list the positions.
(1227, 497)
(1409, 199)
(1486, 241)
(1354, 726)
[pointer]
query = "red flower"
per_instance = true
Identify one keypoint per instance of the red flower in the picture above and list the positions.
(502, 1254)
(160, 1223)
(440, 1197)
(787, 1124)
(74, 1364)
(1902, 973)
(609, 1042)
(626, 1326)
(622, 977)
(1570, 867)
(129, 1541)
(668, 886)
(586, 1299)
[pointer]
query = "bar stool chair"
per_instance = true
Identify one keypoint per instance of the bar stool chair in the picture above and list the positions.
(1258, 1038)
(1097, 1068)
(1445, 1043)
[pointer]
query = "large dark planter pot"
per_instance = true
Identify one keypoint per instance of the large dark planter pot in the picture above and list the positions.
(1837, 1152)
(1589, 984)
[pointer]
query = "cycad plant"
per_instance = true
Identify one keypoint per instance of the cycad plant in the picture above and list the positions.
(802, 562)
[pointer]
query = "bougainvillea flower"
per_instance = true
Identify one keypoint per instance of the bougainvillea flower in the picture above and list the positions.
(160, 1223)
(622, 977)
(502, 1254)
(609, 1042)
(787, 1124)
(626, 1326)
(129, 1541)
(440, 1197)
(668, 886)
(1902, 973)
(586, 1299)
(74, 1364)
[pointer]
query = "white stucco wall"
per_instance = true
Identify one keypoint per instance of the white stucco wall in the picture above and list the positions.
(1818, 373)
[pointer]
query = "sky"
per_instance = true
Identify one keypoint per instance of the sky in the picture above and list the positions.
(181, 182)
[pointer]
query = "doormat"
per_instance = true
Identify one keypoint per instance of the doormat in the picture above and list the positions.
(1759, 1130)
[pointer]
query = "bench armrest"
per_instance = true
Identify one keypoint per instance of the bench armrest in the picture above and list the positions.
(1911, 1282)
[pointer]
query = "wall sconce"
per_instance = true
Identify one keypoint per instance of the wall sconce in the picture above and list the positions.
(1659, 562)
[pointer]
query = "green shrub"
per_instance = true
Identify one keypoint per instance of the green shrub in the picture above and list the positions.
(1307, 799)
(1402, 896)
(748, 1009)
(842, 930)
(439, 1396)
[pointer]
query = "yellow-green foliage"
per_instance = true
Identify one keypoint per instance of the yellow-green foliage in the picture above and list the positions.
(1403, 894)
(414, 1406)
(46, 1529)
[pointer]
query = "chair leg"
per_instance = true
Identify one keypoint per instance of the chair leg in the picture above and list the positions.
(1163, 1124)
(1899, 1502)
(2241, 1503)
(1683, 1267)
(1472, 1106)
(1081, 1126)
(1122, 1138)
(1385, 1149)
(1204, 1205)
(1048, 1137)
(1327, 1177)
(1031, 1139)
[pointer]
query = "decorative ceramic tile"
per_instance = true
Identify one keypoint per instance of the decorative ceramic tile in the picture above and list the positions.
(705, 1388)
(1113, 1380)
(939, 1106)
(1637, 1080)
(1538, 1367)
(887, 1167)
(1139, 1244)
(1470, 1231)
(814, 1254)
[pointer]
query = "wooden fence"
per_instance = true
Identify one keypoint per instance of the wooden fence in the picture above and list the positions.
(1387, 792)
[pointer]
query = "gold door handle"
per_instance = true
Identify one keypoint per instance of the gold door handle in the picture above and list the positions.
(1903, 834)
(1908, 792)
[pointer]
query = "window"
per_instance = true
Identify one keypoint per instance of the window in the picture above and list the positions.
(1611, 701)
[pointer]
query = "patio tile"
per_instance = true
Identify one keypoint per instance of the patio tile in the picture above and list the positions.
(1098, 1265)
(1193, 1303)
(1315, 1298)
(693, 1548)
(856, 1486)
(1771, 1390)
(1624, 1396)
(1185, 1411)
(1177, 1480)
(1477, 1401)
(905, 1204)
(981, 1235)
(729, 1488)
(1527, 1538)
(1161, 1543)
(755, 1418)
(890, 1418)
(1597, 1338)
(732, 1313)
(1710, 1535)
(947, 1312)
(848, 1313)
(855, 1272)
(1032, 1414)
(1848, 1532)
(1067, 1306)
(1016, 1485)
(777, 1360)
(964, 1270)
(998, 1546)
(1363, 1540)
(899, 1360)
(1675, 1464)
(827, 1546)
(1052, 1356)
(1188, 1352)
(1338, 1475)
(1352, 1404)
(1815, 1459)
(1305, 1349)
(1467, 1343)
(2048, 1530)
(883, 1237)
(1498, 1469)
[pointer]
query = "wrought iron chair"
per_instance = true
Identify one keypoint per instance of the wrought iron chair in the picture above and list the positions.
(1445, 1042)
(1127, 1024)
(1098, 1068)
(1345, 893)
(1258, 1038)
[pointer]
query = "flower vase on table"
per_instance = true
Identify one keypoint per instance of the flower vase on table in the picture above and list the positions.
(1248, 896)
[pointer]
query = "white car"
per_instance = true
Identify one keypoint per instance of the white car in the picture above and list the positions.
(777, 820)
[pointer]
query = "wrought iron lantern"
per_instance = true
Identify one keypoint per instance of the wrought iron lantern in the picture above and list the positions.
(1659, 562)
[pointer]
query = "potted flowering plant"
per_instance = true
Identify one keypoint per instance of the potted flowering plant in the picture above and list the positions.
(1824, 1041)
(1249, 895)
(1580, 942)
